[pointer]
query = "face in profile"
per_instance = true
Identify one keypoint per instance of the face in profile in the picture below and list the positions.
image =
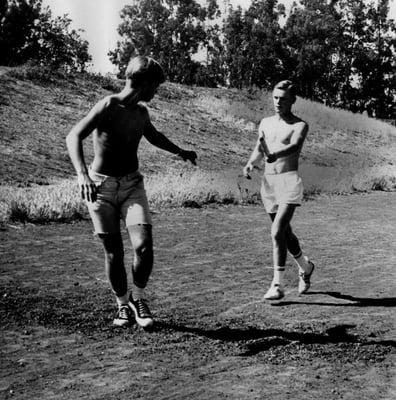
(283, 101)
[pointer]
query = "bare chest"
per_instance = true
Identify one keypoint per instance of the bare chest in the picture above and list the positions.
(278, 134)
(122, 128)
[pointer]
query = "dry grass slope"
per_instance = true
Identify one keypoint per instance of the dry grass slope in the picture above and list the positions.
(344, 152)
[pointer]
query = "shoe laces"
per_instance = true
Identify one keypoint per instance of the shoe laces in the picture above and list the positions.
(123, 312)
(142, 308)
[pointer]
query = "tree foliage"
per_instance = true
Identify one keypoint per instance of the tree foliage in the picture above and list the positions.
(28, 32)
(169, 30)
(311, 38)
(339, 52)
(343, 53)
(369, 47)
(253, 48)
(212, 70)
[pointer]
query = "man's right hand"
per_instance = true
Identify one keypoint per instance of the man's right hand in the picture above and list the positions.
(87, 187)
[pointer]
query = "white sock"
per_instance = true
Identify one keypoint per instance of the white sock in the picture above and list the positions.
(137, 292)
(123, 299)
(302, 262)
(279, 272)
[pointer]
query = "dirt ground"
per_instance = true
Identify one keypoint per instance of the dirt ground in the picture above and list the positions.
(214, 336)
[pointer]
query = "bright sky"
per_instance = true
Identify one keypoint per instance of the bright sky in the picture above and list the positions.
(100, 19)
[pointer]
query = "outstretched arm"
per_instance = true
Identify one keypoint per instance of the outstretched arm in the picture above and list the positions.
(159, 140)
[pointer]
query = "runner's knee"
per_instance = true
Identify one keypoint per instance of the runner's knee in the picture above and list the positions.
(277, 233)
(144, 247)
(112, 246)
(142, 239)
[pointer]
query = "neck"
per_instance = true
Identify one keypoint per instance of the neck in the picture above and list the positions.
(129, 96)
(287, 116)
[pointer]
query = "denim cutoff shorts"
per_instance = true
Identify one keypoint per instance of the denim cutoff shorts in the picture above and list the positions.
(118, 198)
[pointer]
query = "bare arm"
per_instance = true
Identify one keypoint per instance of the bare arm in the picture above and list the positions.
(296, 141)
(159, 140)
(256, 156)
(74, 142)
(258, 153)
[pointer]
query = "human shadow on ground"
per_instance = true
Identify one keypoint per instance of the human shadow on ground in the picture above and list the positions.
(257, 340)
(355, 301)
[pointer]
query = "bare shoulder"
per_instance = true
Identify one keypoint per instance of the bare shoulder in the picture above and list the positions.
(143, 110)
(103, 109)
(110, 101)
(266, 120)
(300, 127)
(105, 104)
(299, 121)
(265, 123)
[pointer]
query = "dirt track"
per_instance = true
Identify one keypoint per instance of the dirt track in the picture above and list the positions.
(214, 338)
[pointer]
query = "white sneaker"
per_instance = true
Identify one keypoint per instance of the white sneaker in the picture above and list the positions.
(304, 281)
(275, 292)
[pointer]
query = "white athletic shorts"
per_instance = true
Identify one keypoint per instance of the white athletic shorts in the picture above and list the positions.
(276, 189)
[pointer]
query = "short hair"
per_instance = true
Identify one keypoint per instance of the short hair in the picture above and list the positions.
(287, 86)
(144, 69)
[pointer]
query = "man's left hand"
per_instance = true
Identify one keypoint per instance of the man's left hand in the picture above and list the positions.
(188, 155)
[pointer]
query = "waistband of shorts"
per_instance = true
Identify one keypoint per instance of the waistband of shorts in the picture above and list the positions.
(295, 172)
(131, 175)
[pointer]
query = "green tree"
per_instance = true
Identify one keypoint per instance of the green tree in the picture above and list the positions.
(58, 44)
(27, 32)
(343, 53)
(169, 30)
(369, 50)
(265, 42)
(311, 40)
(17, 22)
(235, 44)
(253, 45)
(211, 71)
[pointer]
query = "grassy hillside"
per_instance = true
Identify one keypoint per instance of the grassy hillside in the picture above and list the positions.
(344, 152)
(36, 117)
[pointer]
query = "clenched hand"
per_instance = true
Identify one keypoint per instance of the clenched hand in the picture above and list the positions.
(87, 187)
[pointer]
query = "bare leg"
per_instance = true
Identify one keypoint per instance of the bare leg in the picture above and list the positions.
(279, 230)
(280, 233)
(293, 245)
(292, 242)
(114, 262)
(142, 242)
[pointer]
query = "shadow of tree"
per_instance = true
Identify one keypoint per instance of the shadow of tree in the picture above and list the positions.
(355, 301)
(257, 340)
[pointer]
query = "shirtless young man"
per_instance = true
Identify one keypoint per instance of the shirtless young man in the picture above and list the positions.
(113, 186)
(281, 138)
